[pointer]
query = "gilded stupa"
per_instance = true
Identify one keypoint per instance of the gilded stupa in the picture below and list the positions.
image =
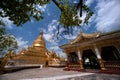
(35, 54)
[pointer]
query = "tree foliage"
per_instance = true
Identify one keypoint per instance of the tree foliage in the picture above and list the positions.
(7, 41)
(69, 12)
(70, 15)
(21, 11)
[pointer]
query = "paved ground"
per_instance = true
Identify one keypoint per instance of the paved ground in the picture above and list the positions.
(55, 74)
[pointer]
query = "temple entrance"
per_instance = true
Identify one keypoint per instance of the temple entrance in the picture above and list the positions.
(73, 58)
(110, 53)
(46, 63)
(90, 60)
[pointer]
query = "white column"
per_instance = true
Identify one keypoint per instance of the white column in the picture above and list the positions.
(97, 52)
(80, 59)
(66, 59)
(79, 55)
(117, 47)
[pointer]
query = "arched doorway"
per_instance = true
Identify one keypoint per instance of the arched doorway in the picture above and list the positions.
(90, 60)
(73, 58)
(46, 63)
(110, 53)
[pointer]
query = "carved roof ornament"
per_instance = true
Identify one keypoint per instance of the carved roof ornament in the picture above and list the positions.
(85, 36)
(53, 51)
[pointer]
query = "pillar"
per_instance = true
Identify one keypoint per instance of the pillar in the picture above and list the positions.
(117, 47)
(66, 59)
(80, 59)
(97, 52)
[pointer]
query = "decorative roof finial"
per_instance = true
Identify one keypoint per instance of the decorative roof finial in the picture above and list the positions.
(41, 33)
(81, 31)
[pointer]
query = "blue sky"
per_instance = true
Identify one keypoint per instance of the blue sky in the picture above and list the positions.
(106, 18)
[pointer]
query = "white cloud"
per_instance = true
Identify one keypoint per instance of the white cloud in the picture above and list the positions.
(49, 34)
(70, 36)
(54, 47)
(42, 8)
(89, 2)
(21, 43)
(58, 51)
(7, 22)
(42, 29)
(48, 37)
(93, 17)
(52, 26)
(108, 15)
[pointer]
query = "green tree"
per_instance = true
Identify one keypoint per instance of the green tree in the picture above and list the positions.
(69, 12)
(21, 11)
(7, 41)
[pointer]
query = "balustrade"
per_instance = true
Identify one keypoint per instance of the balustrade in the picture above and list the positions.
(112, 65)
(73, 66)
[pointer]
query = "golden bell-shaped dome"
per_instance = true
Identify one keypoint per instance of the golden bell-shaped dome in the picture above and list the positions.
(39, 42)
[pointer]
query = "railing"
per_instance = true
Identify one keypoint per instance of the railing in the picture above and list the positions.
(112, 65)
(72, 66)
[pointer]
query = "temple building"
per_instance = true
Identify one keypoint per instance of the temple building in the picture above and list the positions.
(93, 51)
(35, 55)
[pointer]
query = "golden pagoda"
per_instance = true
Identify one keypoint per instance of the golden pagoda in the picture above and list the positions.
(34, 55)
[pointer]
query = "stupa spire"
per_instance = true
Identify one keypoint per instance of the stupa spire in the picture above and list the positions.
(39, 42)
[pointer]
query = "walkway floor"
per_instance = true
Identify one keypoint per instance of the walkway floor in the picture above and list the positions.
(55, 74)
